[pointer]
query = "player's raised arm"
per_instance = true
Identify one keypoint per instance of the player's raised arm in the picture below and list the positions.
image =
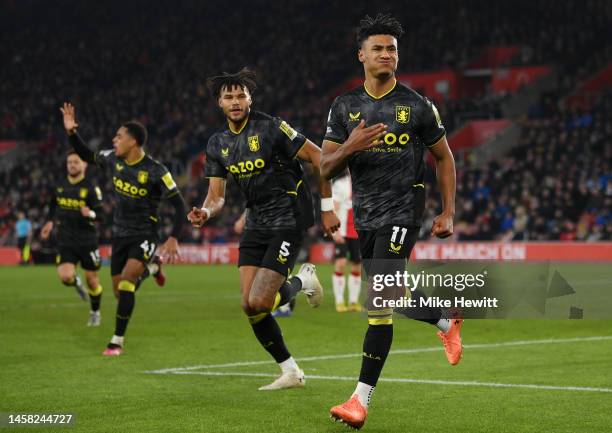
(445, 173)
(215, 199)
(311, 153)
(71, 125)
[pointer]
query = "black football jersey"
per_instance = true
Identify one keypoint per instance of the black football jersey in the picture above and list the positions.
(262, 159)
(72, 227)
(388, 179)
(139, 188)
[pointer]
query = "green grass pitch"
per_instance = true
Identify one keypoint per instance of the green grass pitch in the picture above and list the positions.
(50, 362)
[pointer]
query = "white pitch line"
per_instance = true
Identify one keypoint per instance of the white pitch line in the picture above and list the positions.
(417, 381)
(399, 352)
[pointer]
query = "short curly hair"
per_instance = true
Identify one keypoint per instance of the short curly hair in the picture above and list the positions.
(382, 24)
(137, 131)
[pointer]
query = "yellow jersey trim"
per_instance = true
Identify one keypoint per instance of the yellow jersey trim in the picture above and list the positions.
(137, 161)
(384, 94)
(241, 128)
(439, 140)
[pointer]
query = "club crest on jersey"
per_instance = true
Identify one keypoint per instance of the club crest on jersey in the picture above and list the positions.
(83, 192)
(143, 176)
(253, 143)
(354, 117)
(402, 113)
(225, 152)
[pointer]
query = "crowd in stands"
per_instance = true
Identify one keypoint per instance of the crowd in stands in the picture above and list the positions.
(555, 185)
(148, 60)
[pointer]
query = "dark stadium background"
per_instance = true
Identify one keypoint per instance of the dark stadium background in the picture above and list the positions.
(541, 69)
(524, 90)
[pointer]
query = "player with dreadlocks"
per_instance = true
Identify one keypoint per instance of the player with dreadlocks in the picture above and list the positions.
(264, 154)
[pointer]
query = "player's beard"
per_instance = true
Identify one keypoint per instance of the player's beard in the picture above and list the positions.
(238, 121)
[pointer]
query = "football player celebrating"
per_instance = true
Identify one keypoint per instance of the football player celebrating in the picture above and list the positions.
(140, 182)
(263, 154)
(76, 203)
(381, 131)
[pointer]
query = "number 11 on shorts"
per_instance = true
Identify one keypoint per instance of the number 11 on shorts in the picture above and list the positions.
(396, 230)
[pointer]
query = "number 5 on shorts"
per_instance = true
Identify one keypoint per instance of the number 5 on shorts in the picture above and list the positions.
(284, 252)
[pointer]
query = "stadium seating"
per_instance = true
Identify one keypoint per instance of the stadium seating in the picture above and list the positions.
(148, 60)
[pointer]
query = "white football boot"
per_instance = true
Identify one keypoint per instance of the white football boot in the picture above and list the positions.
(94, 318)
(290, 379)
(310, 284)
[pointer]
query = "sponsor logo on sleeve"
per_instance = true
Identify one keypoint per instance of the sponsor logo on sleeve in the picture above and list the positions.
(168, 181)
(288, 130)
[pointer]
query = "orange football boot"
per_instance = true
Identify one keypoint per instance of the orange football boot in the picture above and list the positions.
(351, 413)
(452, 341)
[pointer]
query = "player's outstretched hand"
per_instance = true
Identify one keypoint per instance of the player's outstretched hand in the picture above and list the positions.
(197, 217)
(330, 223)
(169, 251)
(70, 123)
(46, 230)
(442, 226)
(363, 138)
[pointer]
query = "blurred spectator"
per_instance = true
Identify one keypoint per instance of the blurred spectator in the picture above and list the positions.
(23, 231)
